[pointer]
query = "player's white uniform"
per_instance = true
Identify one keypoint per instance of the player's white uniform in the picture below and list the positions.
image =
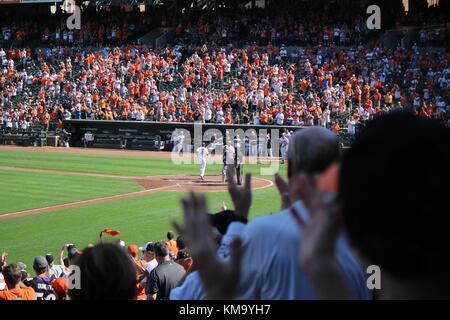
(202, 153)
(284, 141)
(179, 142)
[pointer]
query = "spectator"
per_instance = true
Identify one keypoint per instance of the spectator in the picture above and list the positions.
(166, 276)
(41, 283)
(383, 151)
(141, 272)
(149, 256)
(61, 287)
(183, 257)
(107, 273)
(172, 244)
(16, 290)
(55, 270)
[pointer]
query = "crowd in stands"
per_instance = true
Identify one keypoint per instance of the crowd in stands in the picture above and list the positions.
(41, 29)
(258, 85)
(299, 25)
(318, 246)
(335, 81)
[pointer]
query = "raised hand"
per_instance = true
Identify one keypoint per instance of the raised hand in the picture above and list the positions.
(3, 260)
(219, 279)
(241, 196)
(319, 235)
(224, 206)
(283, 189)
(318, 239)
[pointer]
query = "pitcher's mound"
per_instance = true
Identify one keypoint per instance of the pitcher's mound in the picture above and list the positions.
(212, 183)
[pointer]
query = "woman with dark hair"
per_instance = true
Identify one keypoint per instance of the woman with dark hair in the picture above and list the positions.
(106, 273)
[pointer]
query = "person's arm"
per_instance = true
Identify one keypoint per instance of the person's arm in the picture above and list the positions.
(3, 261)
(61, 255)
(219, 279)
(152, 286)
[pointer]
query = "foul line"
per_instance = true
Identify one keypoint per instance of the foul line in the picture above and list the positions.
(80, 203)
(171, 187)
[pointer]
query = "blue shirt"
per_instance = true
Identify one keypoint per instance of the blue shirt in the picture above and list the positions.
(270, 266)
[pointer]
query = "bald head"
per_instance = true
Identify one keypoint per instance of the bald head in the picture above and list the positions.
(312, 150)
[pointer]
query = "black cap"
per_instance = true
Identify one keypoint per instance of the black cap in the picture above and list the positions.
(150, 247)
(182, 254)
(72, 252)
(49, 258)
(223, 219)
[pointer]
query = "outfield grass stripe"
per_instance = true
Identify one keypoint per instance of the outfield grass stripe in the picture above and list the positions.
(23, 190)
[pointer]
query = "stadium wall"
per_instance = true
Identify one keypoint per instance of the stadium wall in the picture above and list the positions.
(145, 135)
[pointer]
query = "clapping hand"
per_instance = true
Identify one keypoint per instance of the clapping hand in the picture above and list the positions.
(219, 279)
(241, 196)
(318, 239)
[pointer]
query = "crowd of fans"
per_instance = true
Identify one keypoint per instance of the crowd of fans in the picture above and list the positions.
(302, 24)
(47, 280)
(334, 81)
(258, 85)
(318, 246)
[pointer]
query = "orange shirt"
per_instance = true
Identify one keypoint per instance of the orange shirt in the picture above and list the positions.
(336, 128)
(18, 294)
(140, 290)
(186, 263)
(172, 246)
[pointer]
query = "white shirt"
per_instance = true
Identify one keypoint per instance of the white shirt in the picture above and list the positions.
(351, 126)
(56, 270)
(2, 282)
(149, 266)
(229, 156)
(202, 153)
(208, 114)
(280, 118)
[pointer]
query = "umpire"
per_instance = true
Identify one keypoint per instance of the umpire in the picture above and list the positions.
(233, 159)
(238, 160)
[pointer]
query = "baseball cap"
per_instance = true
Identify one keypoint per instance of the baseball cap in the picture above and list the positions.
(223, 219)
(49, 258)
(147, 247)
(40, 262)
(132, 248)
(60, 285)
(72, 252)
(22, 266)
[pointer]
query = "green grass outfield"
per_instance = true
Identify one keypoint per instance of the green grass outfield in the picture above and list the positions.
(140, 219)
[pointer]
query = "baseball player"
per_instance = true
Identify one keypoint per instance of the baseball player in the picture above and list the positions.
(202, 154)
(284, 142)
(178, 141)
(228, 159)
(238, 161)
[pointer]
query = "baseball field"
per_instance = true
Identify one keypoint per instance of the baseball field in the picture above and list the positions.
(52, 196)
